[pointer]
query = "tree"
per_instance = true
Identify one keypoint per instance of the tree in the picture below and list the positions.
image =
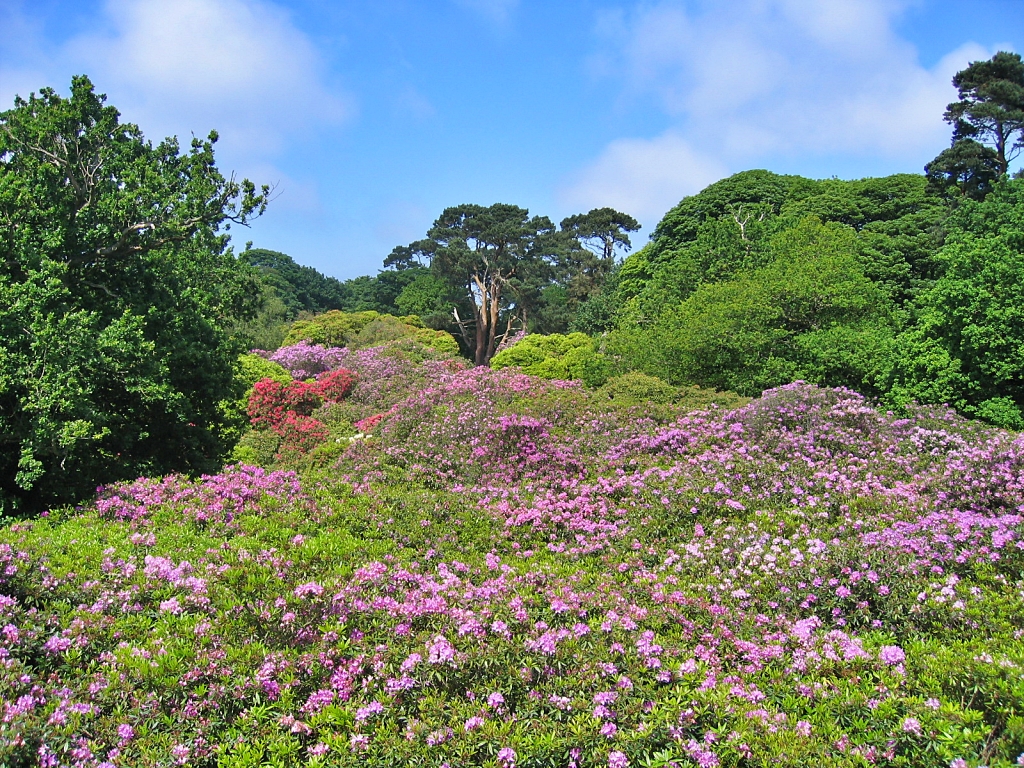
(991, 106)
(302, 289)
(967, 346)
(809, 314)
(594, 238)
(967, 167)
(498, 257)
(116, 292)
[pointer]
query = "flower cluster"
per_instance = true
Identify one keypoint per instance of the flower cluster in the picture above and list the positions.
(286, 408)
(511, 571)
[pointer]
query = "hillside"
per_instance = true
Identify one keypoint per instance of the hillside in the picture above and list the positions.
(500, 570)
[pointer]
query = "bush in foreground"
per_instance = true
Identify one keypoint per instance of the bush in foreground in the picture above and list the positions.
(508, 573)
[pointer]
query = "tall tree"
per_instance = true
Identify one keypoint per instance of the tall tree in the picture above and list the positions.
(967, 168)
(991, 106)
(301, 288)
(589, 257)
(116, 294)
(499, 257)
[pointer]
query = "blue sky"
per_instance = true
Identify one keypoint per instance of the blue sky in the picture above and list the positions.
(371, 117)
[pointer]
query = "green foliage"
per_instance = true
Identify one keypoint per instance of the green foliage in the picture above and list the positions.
(497, 268)
(728, 228)
(809, 314)
(332, 329)
(965, 348)
(426, 296)
(967, 168)
(300, 288)
(251, 368)
(117, 296)
(991, 106)
(635, 387)
(589, 256)
(257, 447)
(248, 369)
(269, 326)
(359, 330)
(569, 357)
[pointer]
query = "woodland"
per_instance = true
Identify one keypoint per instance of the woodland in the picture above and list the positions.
(748, 493)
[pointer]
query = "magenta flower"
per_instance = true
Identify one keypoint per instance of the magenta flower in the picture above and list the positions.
(891, 655)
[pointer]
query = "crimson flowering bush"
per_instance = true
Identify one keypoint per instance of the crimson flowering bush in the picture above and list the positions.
(334, 385)
(286, 408)
(514, 572)
(271, 401)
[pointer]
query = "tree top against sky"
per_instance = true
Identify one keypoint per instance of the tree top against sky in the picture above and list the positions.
(372, 117)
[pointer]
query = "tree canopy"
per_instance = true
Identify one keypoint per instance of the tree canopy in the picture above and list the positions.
(988, 127)
(499, 257)
(116, 292)
(967, 346)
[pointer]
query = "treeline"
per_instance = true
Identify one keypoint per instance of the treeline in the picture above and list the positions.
(123, 309)
(481, 273)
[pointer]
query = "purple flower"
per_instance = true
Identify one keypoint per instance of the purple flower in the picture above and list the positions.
(891, 655)
(912, 725)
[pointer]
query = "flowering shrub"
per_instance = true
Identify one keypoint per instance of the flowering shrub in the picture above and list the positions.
(304, 360)
(510, 573)
(271, 401)
(334, 385)
(286, 408)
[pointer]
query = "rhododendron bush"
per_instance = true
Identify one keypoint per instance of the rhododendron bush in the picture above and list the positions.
(509, 571)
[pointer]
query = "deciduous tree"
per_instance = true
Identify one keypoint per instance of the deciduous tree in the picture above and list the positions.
(116, 290)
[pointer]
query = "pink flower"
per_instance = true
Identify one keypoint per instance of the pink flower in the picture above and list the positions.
(312, 588)
(891, 655)
(912, 725)
(617, 760)
(440, 651)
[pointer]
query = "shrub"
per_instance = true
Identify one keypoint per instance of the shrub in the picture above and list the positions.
(636, 387)
(361, 330)
(286, 409)
(271, 401)
(570, 357)
(334, 385)
(305, 360)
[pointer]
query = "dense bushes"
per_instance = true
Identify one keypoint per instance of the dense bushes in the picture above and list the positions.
(509, 567)
(569, 357)
(358, 330)
(966, 346)
(810, 314)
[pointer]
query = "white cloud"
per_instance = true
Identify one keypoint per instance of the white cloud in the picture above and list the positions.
(642, 177)
(183, 66)
(789, 75)
(747, 82)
